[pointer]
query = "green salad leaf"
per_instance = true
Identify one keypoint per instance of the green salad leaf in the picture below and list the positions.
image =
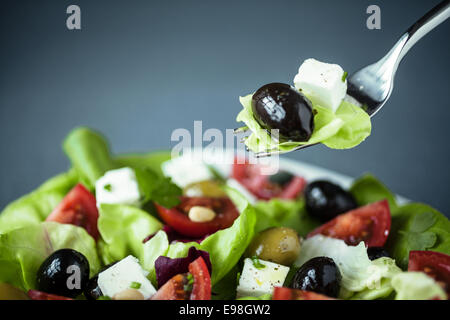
(180, 249)
(382, 291)
(157, 246)
(23, 250)
(123, 228)
(34, 207)
(284, 213)
(89, 154)
(417, 286)
(346, 128)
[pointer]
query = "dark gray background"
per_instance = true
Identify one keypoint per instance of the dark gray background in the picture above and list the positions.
(139, 69)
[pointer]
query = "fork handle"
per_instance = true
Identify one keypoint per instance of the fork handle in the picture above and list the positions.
(428, 22)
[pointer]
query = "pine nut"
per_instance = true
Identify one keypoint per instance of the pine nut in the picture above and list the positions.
(201, 214)
(128, 294)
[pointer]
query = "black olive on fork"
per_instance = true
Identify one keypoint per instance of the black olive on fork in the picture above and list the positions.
(279, 106)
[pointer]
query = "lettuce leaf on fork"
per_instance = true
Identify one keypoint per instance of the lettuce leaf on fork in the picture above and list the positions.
(345, 129)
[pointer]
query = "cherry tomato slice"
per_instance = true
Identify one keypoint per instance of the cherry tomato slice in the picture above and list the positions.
(202, 280)
(178, 218)
(370, 224)
(283, 293)
(434, 264)
(39, 295)
(175, 288)
(78, 208)
(251, 177)
(293, 189)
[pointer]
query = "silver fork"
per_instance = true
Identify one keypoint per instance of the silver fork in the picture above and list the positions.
(371, 86)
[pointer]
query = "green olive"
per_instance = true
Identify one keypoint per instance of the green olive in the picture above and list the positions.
(280, 245)
(8, 292)
(206, 188)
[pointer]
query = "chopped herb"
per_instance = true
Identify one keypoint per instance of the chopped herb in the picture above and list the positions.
(257, 264)
(190, 283)
(135, 285)
(418, 236)
(344, 76)
(108, 187)
(104, 298)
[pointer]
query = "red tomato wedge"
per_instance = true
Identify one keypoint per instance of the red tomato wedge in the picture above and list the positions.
(283, 293)
(78, 208)
(201, 289)
(39, 295)
(251, 177)
(178, 218)
(175, 288)
(370, 224)
(434, 264)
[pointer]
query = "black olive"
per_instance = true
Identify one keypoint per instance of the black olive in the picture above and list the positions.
(65, 272)
(92, 290)
(281, 178)
(376, 252)
(279, 106)
(325, 200)
(319, 275)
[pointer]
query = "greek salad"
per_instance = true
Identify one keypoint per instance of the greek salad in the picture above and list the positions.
(153, 227)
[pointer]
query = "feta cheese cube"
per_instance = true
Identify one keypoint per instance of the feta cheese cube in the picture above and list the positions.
(322, 83)
(186, 170)
(255, 282)
(122, 275)
(118, 186)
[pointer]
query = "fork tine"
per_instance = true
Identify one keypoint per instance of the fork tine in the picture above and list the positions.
(240, 130)
(274, 152)
(264, 154)
(267, 153)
